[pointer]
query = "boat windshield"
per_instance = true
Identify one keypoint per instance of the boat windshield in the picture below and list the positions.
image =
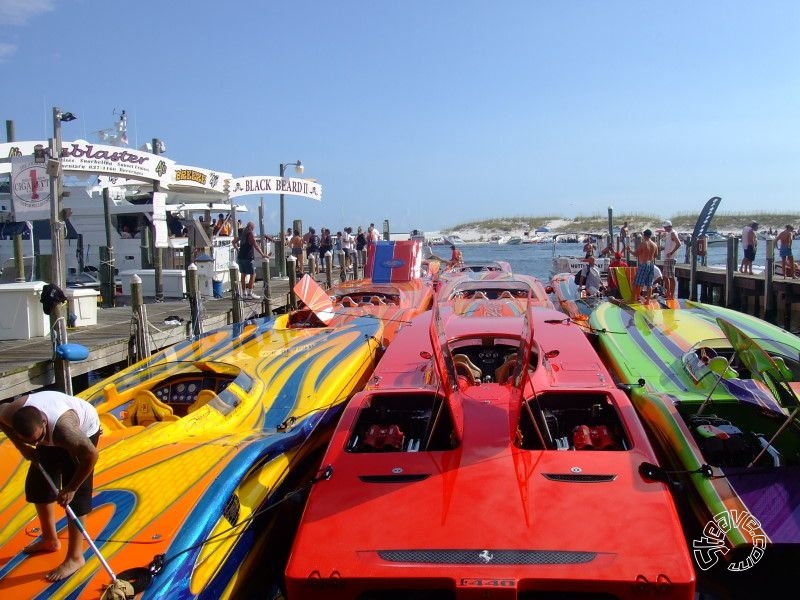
(697, 359)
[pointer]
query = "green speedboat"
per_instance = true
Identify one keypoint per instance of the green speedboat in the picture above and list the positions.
(716, 391)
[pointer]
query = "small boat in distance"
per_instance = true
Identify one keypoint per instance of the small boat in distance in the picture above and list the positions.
(453, 240)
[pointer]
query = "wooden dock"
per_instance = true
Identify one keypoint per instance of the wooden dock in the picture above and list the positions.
(775, 299)
(27, 365)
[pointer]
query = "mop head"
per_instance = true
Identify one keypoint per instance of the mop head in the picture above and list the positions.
(119, 589)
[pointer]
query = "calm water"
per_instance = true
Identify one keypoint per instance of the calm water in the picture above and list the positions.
(537, 259)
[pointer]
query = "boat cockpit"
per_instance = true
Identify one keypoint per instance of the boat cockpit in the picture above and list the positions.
(168, 392)
(488, 359)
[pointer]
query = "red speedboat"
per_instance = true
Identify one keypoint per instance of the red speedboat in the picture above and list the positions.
(489, 456)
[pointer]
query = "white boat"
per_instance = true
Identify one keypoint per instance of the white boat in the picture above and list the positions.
(130, 210)
(573, 264)
(453, 240)
(188, 193)
(514, 240)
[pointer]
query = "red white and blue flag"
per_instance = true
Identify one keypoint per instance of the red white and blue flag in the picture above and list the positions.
(393, 261)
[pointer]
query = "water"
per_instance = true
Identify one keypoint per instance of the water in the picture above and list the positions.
(537, 259)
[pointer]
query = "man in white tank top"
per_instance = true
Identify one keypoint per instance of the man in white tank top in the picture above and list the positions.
(60, 432)
(671, 244)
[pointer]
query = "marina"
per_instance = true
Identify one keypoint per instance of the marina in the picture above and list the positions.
(492, 280)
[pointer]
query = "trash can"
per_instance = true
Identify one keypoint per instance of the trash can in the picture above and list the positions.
(21, 317)
(216, 284)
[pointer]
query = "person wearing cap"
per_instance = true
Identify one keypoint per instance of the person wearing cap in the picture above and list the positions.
(671, 244)
(784, 240)
(749, 242)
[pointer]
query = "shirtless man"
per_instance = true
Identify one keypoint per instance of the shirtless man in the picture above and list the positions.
(671, 244)
(60, 433)
(296, 247)
(784, 240)
(645, 256)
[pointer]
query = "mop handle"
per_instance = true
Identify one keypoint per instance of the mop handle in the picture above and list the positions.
(79, 525)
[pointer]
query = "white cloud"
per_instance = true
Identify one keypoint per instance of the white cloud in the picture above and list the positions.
(6, 50)
(19, 12)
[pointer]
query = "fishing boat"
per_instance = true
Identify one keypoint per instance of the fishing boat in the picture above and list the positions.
(716, 390)
(200, 441)
(490, 455)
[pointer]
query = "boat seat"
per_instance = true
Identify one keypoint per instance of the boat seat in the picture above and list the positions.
(376, 300)
(720, 366)
(464, 366)
(146, 409)
(784, 373)
(506, 294)
(479, 295)
(348, 301)
(203, 398)
(504, 371)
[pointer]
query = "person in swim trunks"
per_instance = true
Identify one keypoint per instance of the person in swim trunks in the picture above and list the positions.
(749, 242)
(784, 239)
(60, 433)
(645, 256)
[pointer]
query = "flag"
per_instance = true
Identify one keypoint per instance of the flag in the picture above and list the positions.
(393, 261)
(30, 189)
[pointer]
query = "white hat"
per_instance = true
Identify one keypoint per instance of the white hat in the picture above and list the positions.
(667, 224)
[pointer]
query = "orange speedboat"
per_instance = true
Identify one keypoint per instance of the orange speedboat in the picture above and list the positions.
(489, 456)
(199, 442)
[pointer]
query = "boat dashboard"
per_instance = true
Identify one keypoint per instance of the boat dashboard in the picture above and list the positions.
(181, 391)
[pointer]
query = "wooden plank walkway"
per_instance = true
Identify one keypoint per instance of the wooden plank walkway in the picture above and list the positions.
(27, 365)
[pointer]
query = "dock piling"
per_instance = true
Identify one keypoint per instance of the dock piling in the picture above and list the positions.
(142, 341)
(236, 293)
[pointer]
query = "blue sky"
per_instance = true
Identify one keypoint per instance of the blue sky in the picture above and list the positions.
(432, 113)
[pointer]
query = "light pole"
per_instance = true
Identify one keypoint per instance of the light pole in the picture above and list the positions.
(281, 247)
(610, 225)
(58, 325)
(57, 273)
